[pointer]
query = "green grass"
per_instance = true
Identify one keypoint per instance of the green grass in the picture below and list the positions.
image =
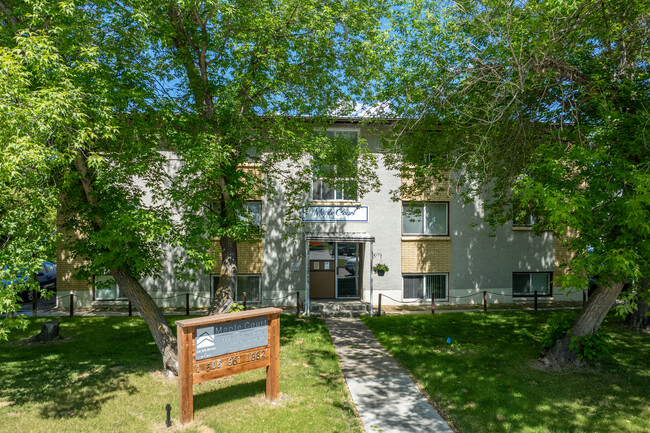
(105, 377)
(487, 379)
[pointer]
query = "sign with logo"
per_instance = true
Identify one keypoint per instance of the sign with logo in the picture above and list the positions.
(231, 337)
(335, 213)
(217, 346)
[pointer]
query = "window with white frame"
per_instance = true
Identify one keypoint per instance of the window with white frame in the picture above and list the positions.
(337, 182)
(423, 286)
(106, 289)
(253, 211)
(249, 284)
(425, 219)
(526, 283)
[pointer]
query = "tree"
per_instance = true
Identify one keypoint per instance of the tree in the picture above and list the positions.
(78, 137)
(238, 79)
(543, 106)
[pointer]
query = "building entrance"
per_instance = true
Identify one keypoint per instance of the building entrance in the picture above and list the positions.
(334, 269)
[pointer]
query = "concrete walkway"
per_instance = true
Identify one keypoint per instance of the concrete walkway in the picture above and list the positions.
(387, 399)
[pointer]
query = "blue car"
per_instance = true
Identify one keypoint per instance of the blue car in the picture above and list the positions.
(46, 277)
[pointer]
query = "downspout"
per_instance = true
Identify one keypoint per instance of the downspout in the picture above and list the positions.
(371, 264)
(307, 306)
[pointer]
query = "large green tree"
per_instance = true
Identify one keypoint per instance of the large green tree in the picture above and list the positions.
(249, 84)
(76, 137)
(543, 108)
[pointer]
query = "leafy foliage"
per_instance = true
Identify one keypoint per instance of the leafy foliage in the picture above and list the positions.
(557, 326)
(591, 347)
(540, 108)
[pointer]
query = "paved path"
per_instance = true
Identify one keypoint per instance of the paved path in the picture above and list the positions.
(387, 399)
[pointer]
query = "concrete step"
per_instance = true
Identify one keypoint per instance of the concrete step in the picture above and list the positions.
(339, 308)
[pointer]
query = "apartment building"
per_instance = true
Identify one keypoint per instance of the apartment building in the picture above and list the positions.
(434, 244)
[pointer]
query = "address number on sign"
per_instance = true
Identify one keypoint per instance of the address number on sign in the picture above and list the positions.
(231, 361)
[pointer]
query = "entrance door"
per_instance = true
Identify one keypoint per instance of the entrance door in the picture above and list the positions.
(347, 269)
(334, 270)
(322, 281)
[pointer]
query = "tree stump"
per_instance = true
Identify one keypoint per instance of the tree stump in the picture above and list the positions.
(49, 332)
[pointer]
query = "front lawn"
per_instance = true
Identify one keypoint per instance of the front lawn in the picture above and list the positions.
(105, 377)
(487, 380)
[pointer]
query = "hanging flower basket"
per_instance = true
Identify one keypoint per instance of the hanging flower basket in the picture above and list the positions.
(380, 269)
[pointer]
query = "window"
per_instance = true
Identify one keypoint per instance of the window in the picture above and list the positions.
(425, 219)
(422, 286)
(251, 284)
(253, 211)
(526, 283)
(526, 220)
(106, 289)
(339, 182)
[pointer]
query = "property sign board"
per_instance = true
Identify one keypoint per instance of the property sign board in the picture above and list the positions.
(335, 213)
(229, 337)
(216, 346)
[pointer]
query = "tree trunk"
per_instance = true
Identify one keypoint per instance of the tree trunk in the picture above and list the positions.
(587, 322)
(160, 330)
(640, 319)
(224, 292)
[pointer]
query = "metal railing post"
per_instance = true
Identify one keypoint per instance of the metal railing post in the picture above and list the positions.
(535, 300)
(297, 303)
(71, 304)
(187, 304)
(244, 301)
(485, 301)
(379, 306)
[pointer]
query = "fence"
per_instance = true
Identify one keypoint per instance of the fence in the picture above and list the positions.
(484, 294)
(187, 301)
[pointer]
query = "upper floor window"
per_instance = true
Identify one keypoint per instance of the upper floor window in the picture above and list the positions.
(425, 219)
(253, 211)
(337, 182)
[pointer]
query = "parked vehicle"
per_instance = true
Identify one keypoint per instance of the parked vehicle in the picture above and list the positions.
(46, 277)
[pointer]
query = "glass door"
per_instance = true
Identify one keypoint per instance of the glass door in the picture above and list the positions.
(347, 270)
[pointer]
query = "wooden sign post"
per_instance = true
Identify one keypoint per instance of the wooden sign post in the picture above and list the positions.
(217, 346)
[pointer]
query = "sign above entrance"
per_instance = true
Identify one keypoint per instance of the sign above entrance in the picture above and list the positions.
(335, 213)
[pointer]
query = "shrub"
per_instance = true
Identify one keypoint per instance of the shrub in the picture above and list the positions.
(591, 347)
(557, 326)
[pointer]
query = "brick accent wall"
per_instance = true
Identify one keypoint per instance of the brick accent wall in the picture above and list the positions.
(65, 269)
(426, 256)
(439, 191)
(66, 266)
(249, 258)
(256, 171)
(561, 253)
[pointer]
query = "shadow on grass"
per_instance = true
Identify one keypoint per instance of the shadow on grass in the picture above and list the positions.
(76, 376)
(234, 392)
(487, 381)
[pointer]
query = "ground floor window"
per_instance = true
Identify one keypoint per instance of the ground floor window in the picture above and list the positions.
(249, 284)
(423, 286)
(106, 289)
(526, 283)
